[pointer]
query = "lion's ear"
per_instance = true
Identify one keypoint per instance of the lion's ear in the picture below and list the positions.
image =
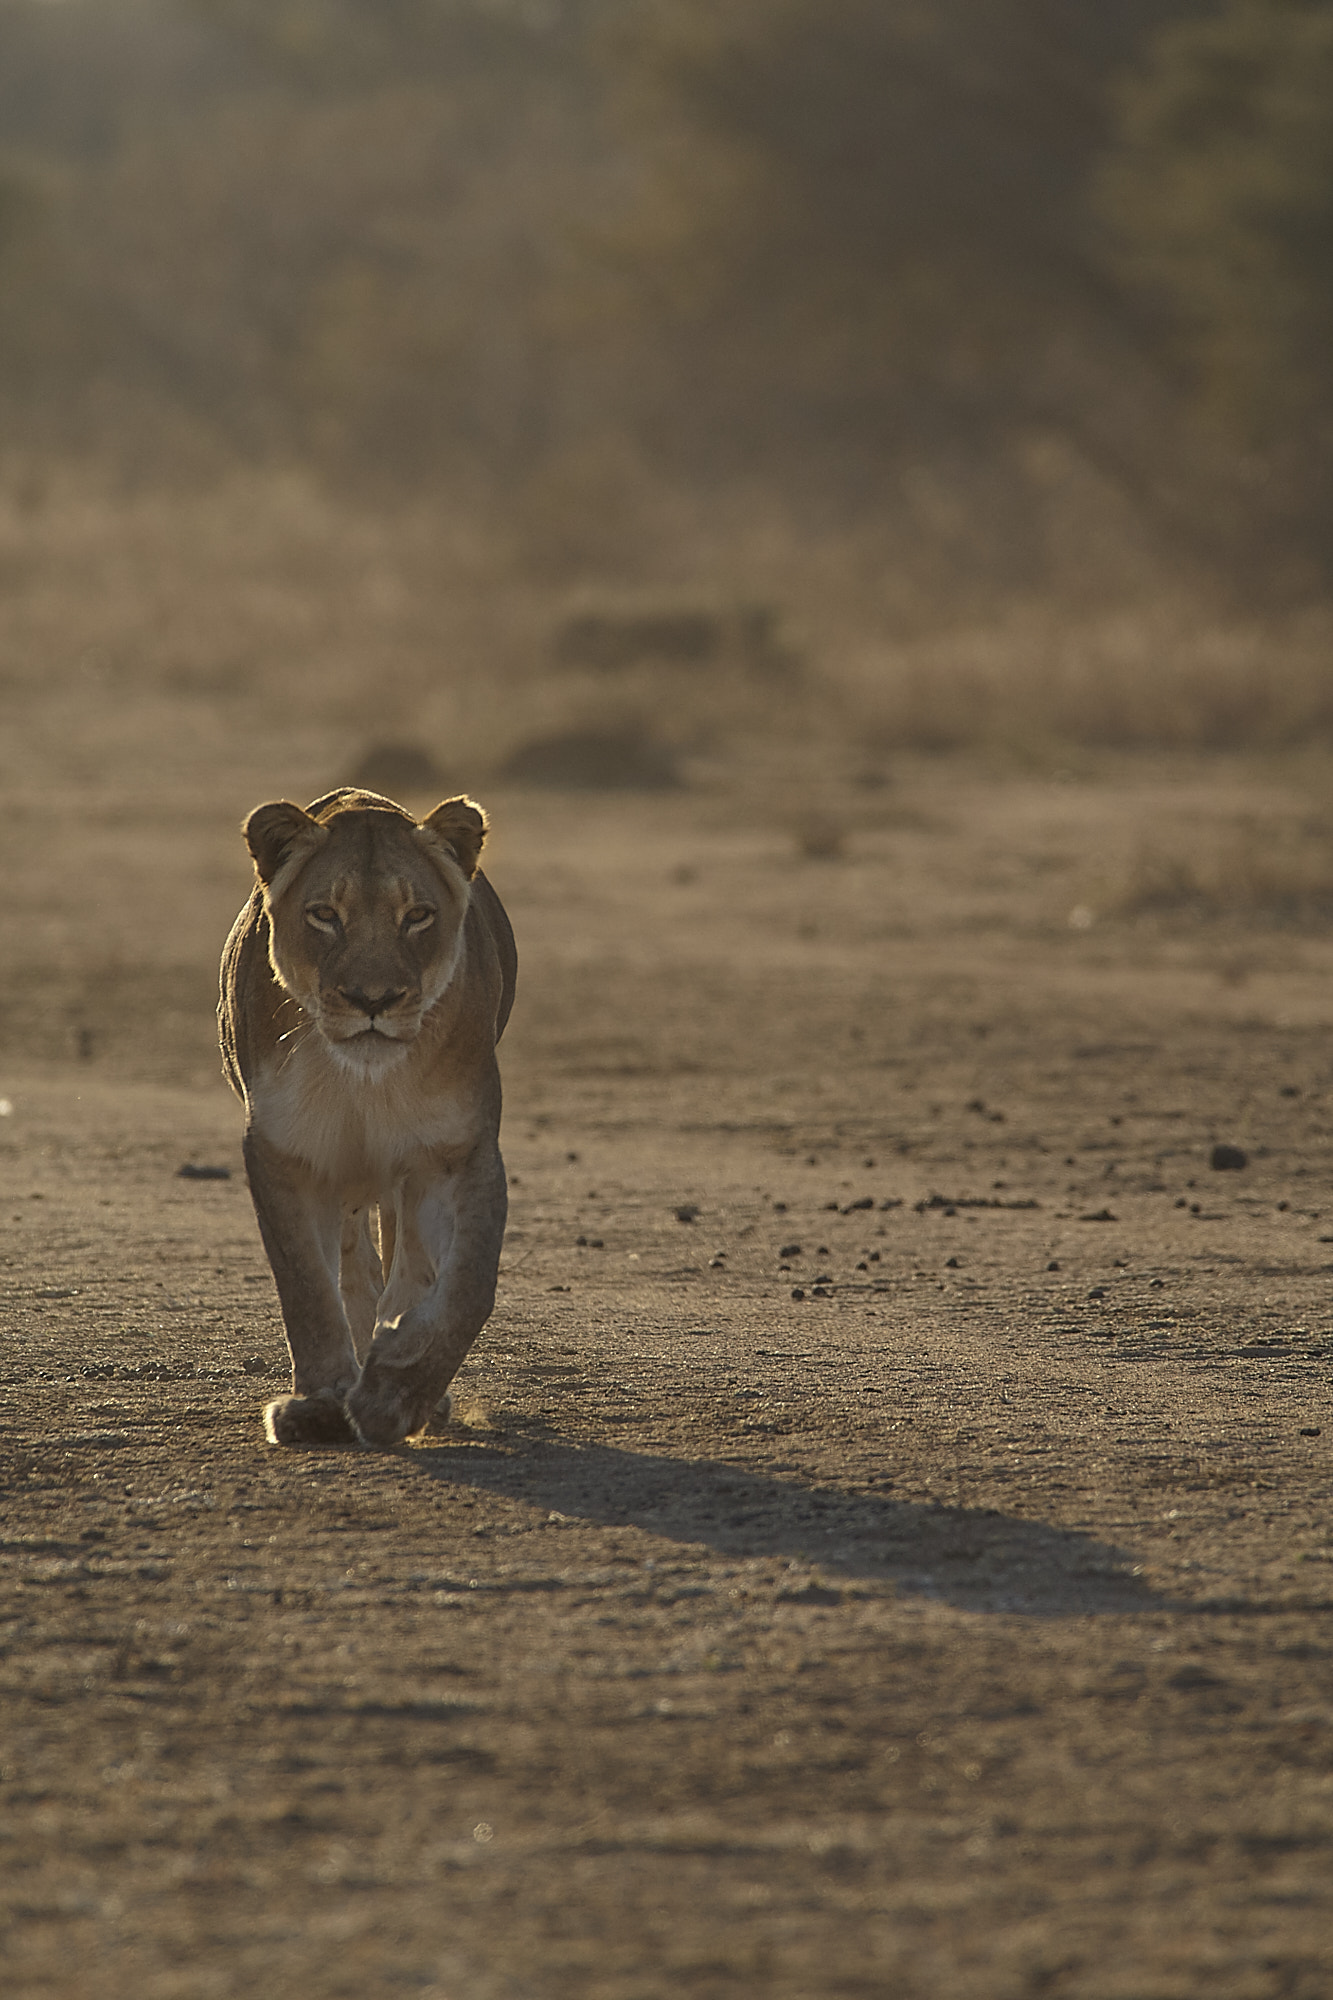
(281, 837)
(461, 824)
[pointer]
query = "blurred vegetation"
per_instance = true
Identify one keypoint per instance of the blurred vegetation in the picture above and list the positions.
(1220, 185)
(999, 297)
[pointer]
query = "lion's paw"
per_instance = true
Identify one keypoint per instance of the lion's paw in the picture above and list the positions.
(440, 1418)
(317, 1419)
(385, 1407)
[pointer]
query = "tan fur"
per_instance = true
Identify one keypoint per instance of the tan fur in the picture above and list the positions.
(364, 988)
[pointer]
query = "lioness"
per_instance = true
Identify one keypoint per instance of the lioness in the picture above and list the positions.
(364, 988)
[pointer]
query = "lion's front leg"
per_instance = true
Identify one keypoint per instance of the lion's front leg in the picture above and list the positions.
(438, 1297)
(301, 1224)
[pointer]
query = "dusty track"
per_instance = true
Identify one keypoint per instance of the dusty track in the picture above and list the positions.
(966, 1632)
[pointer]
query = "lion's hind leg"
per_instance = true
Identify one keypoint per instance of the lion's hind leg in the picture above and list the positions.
(360, 1277)
(439, 1296)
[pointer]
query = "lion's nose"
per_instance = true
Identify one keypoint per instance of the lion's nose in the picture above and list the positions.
(372, 1003)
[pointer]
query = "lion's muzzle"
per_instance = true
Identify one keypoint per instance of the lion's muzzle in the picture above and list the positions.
(351, 1015)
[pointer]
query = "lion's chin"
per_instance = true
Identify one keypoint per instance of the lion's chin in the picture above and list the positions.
(368, 1054)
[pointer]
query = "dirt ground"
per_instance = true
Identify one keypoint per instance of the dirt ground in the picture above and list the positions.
(885, 1550)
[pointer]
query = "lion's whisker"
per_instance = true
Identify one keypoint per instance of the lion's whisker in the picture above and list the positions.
(297, 1037)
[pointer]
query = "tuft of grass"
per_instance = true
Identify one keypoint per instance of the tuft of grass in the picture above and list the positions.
(1168, 676)
(1253, 871)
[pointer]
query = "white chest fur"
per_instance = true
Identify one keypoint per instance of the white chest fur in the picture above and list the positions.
(360, 1132)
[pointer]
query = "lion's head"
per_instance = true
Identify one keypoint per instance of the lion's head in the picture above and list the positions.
(366, 908)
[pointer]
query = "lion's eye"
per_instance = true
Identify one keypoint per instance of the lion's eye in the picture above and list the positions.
(324, 917)
(418, 918)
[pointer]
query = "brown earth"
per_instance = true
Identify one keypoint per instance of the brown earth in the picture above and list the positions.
(962, 1628)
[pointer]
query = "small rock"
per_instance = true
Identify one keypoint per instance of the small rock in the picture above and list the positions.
(1100, 1215)
(190, 1172)
(866, 1201)
(790, 1250)
(255, 1364)
(686, 1212)
(1224, 1158)
(796, 1292)
(1054, 1264)
(952, 1264)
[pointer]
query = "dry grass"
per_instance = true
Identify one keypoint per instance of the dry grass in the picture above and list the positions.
(1250, 871)
(174, 618)
(1162, 675)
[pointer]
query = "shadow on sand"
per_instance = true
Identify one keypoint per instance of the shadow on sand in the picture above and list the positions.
(974, 1558)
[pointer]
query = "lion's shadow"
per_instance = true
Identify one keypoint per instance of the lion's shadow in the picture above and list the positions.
(976, 1559)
